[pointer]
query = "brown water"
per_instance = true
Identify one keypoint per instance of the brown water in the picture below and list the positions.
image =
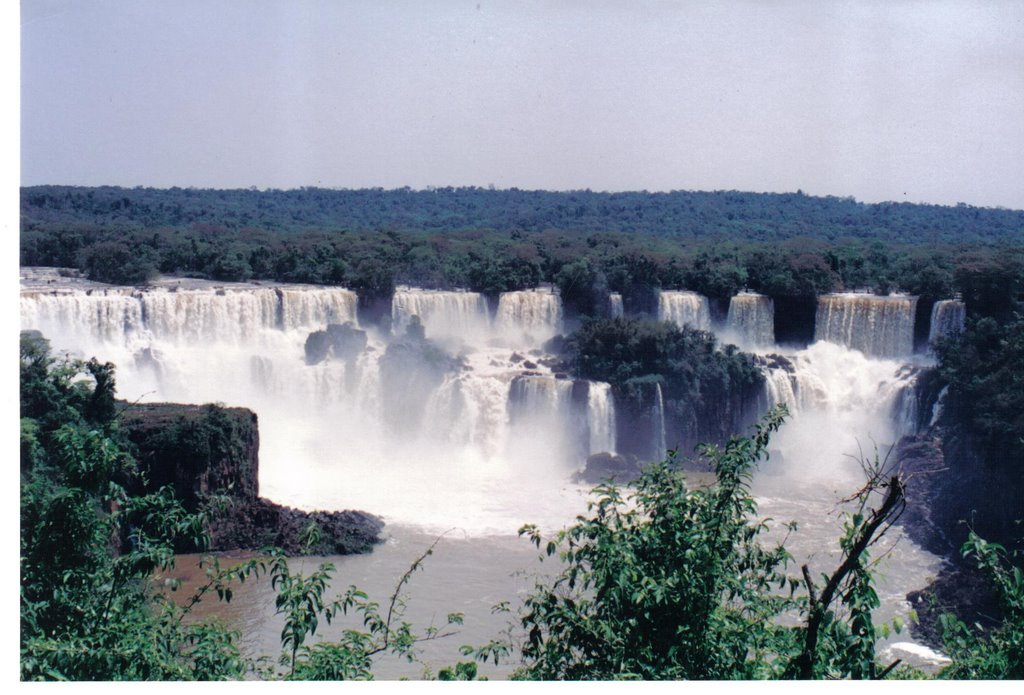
(467, 575)
(473, 574)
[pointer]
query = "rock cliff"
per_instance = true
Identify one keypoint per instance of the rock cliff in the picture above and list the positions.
(210, 456)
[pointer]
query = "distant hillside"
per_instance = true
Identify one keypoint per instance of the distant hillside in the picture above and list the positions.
(677, 214)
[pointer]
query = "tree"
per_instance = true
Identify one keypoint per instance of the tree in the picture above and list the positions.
(1000, 654)
(88, 549)
(671, 582)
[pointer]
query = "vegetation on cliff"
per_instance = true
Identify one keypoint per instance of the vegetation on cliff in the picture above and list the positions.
(984, 369)
(705, 389)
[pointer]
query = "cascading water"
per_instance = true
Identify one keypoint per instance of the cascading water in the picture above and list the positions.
(615, 308)
(844, 406)
(601, 417)
(858, 401)
(750, 322)
(658, 418)
(536, 402)
(877, 326)
(948, 316)
(529, 316)
(684, 308)
(401, 429)
(443, 314)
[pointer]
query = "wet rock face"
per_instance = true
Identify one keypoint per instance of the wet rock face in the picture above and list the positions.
(949, 484)
(197, 450)
(340, 341)
(205, 451)
(318, 347)
(960, 590)
(774, 361)
(347, 341)
(411, 370)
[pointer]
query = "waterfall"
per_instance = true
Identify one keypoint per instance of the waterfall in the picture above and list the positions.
(497, 437)
(601, 417)
(877, 326)
(751, 320)
(539, 396)
(307, 307)
(658, 418)
(544, 426)
(948, 317)
(484, 440)
(905, 403)
(529, 314)
(859, 401)
(615, 308)
(684, 308)
(99, 315)
(937, 408)
(443, 314)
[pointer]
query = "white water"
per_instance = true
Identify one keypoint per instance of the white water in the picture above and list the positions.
(443, 314)
(684, 309)
(841, 403)
(529, 317)
(615, 308)
(750, 323)
(876, 326)
(660, 445)
(947, 318)
(601, 417)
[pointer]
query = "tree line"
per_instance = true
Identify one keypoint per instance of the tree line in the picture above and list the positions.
(68, 228)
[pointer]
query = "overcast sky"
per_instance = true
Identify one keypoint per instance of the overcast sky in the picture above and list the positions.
(882, 101)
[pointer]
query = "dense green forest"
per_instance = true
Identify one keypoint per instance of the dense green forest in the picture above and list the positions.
(676, 214)
(787, 246)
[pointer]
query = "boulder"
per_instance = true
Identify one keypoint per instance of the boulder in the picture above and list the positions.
(340, 341)
(605, 466)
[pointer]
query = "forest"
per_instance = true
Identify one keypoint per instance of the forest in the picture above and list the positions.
(788, 246)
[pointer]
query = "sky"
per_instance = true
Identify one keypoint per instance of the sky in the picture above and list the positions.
(904, 101)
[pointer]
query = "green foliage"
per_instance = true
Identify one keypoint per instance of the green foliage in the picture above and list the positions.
(999, 654)
(586, 243)
(667, 583)
(984, 368)
(91, 551)
(704, 388)
(672, 582)
(839, 639)
(88, 549)
(350, 657)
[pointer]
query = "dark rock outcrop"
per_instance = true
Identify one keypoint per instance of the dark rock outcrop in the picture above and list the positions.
(341, 341)
(604, 466)
(951, 490)
(962, 591)
(209, 455)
